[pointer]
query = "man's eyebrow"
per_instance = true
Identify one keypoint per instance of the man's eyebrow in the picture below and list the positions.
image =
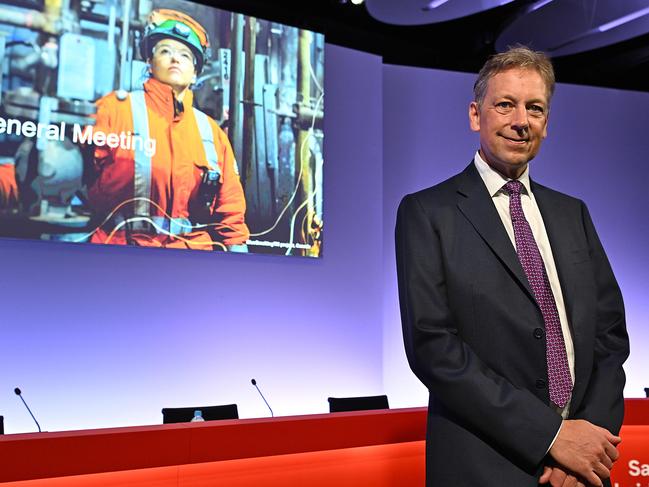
(538, 100)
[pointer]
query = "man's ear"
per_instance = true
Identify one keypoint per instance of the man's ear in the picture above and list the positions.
(474, 116)
(545, 129)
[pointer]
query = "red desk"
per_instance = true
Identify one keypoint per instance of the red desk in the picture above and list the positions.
(378, 448)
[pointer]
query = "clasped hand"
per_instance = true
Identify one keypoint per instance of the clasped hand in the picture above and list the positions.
(584, 454)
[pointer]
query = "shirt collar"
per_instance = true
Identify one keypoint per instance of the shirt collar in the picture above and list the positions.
(494, 181)
(161, 99)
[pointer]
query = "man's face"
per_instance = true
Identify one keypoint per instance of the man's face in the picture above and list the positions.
(512, 120)
(172, 63)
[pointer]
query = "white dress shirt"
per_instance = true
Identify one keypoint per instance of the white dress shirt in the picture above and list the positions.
(494, 181)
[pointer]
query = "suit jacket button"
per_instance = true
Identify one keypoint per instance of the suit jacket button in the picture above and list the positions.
(540, 384)
(539, 333)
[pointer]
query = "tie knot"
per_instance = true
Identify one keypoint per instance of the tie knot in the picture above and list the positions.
(513, 187)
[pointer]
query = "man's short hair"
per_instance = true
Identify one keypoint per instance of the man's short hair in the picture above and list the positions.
(516, 57)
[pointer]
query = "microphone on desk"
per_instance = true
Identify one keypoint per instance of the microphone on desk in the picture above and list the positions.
(19, 394)
(254, 383)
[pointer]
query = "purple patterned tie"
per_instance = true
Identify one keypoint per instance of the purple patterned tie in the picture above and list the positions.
(528, 253)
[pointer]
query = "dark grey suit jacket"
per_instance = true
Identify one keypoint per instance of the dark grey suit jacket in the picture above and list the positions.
(474, 334)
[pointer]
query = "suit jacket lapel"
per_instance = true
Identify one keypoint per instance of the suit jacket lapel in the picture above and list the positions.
(475, 203)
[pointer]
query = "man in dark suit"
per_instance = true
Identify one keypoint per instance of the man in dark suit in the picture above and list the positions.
(511, 314)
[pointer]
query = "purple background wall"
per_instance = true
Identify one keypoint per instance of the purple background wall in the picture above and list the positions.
(596, 150)
(106, 336)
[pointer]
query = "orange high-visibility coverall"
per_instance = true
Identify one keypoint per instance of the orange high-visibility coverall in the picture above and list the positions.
(176, 171)
(8, 188)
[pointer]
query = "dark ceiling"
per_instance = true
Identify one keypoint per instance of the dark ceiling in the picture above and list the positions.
(458, 45)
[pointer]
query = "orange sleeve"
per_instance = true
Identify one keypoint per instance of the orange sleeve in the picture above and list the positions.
(230, 205)
(8, 186)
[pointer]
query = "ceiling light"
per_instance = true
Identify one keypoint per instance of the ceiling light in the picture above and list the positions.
(623, 20)
(434, 4)
(539, 5)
